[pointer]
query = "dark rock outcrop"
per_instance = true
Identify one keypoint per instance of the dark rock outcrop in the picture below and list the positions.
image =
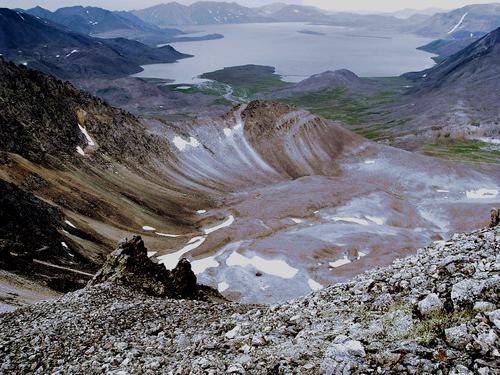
(40, 119)
(495, 217)
(130, 265)
(28, 225)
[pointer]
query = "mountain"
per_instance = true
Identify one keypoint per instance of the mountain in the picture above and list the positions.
(456, 99)
(207, 12)
(298, 13)
(268, 9)
(477, 63)
(102, 22)
(53, 49)
(408, 12)
(200, 13)
(469, 19)
(301, 198)
(447, 47)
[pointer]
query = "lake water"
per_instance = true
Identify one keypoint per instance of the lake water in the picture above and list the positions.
(294, 54)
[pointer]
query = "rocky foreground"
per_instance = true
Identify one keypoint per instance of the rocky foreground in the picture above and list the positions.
(435, 312)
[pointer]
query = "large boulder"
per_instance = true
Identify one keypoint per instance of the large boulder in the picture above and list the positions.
(130, 265)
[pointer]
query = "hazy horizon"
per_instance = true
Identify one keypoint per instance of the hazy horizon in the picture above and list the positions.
(353, 5)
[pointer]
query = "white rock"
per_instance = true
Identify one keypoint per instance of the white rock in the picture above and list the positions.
(430, 304)
(457, 337)
(464, 292)
(232, 333)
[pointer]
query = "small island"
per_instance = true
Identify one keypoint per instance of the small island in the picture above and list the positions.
(310, 32)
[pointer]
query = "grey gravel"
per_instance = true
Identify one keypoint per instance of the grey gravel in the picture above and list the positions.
(435, 312)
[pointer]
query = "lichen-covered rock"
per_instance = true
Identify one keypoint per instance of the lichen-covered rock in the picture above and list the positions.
(465, 292)
(343, 356)
(458, 337)
(431, 304)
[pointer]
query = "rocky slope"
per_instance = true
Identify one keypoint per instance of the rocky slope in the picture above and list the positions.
(54, 49)
(434, 312)
(453, 100)
(71, 169)
(469, 19)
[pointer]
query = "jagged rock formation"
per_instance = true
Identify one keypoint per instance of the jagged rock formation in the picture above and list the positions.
(435, 312)
(130, 265)
(495, 217)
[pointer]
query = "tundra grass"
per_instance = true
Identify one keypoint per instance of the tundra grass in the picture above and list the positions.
(248, 80)
(468, 150)
(337, 104)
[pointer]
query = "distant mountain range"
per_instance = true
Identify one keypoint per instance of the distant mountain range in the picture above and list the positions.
(104, 23)
(211, 12)
(462, 22)
(201, 13)
(459, 23)
(57, 50)
(92, 20)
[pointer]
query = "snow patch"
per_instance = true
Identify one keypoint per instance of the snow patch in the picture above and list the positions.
(167, 235)
(459, 23)
(481, 193)
(201, 265)
(339, 262)
(221, 287)
(355, 220)
(314, 285)
(297, 221)
(170, 260)
(148, 228)
(70, 223)
(90, 142)
(226, 223)
(369, 161)
(151, 253)
(494, 141)
(376, 219)
(181, 143)
(64, 245)
(272, 267)
(201, 212)
(72, 52)
(80, 150)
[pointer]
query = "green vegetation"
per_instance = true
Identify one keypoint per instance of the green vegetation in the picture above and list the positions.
(248, 80)
(210, 88)
(221, 102)
(337, 104)
(469, 150)
(426, 331)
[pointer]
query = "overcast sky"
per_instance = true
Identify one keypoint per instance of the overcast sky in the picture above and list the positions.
(370, 5)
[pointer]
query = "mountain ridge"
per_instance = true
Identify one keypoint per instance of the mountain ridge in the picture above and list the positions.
(57, 50)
